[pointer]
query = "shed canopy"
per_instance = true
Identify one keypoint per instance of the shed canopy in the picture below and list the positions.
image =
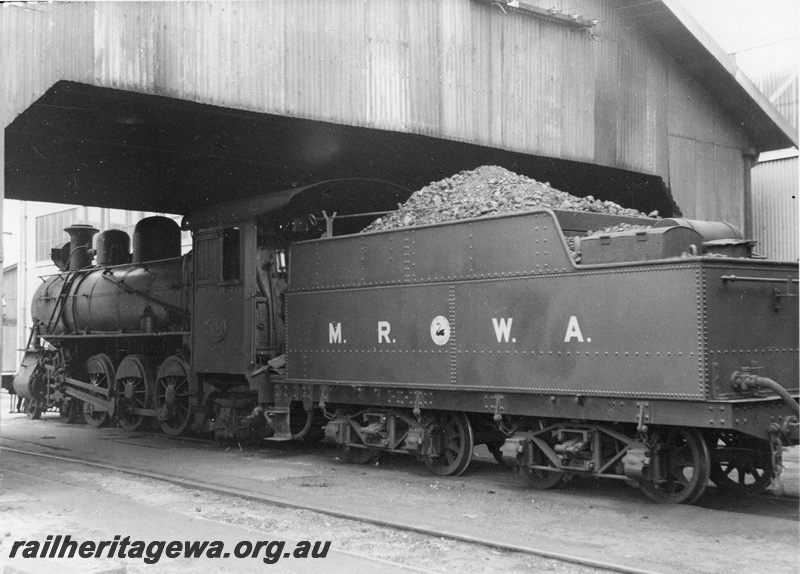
(87, 145)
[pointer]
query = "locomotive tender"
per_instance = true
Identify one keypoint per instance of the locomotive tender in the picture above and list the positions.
(666, 357)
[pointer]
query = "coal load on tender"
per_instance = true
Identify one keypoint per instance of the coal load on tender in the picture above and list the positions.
(491, 190)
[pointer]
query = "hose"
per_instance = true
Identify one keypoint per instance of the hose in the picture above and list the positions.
(306, 427)
(744, 381)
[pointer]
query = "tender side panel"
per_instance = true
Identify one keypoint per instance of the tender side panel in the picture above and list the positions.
(517, 317)
(752, 322)
(548, 334)
(375, 336)
(615, 333)
(520, 244)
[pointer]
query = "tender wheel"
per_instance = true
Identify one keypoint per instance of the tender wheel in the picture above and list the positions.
(134, 384)
(683, 462)
(542, 479)
(535, 477)
(101, 374)
(457, 441)
(361, 455)
(33, 409)
(740, 464)
(173, 396)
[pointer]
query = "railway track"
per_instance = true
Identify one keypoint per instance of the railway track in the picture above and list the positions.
(789, 497)
(484, 470)
(384, 565)
(404, 526)
(604, 521)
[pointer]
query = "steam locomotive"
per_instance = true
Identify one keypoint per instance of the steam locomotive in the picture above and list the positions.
(666, 357)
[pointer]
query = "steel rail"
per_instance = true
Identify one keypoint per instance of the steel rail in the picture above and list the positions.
(382, 561)
(232, 491)
(789, 498)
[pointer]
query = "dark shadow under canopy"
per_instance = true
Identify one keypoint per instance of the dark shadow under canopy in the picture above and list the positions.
(87, 145)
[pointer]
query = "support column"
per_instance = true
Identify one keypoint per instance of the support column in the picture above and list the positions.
(2, 210)
(750, 159)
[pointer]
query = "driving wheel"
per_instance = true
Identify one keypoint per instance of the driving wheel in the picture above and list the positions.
(134, 383)
(173, 396)
(101, 374)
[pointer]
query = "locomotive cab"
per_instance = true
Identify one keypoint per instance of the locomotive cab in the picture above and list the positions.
(241, 273)
(232, 330)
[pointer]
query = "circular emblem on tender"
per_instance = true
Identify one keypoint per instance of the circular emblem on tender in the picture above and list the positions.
(440, 330)
(217, 329)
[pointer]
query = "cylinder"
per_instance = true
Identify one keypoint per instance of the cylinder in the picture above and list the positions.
(156, 238)
(113, 247)
(80, 244)
(31, 380)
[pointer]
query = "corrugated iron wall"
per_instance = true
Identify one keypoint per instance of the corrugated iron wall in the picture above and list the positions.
(40, 44)
(458, 69)
(38, 47)
(774, 69)
(706, 167)
(775, 208)
(9, 318)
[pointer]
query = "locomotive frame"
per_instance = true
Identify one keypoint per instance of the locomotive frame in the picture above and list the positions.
(431, 340)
